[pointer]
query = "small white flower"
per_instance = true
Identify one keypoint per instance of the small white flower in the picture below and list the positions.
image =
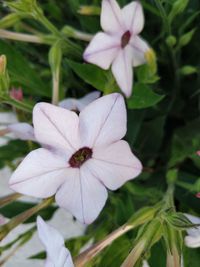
(86, 156)
(192, 240)
(81, 103)
(57, 254)
(145, 264)
(119, 45)
(22, 130)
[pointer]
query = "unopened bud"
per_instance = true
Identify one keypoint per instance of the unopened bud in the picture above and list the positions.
(16, 94)
(89, 10)
(150, 57)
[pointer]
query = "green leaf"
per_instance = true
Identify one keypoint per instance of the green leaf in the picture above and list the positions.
(22, 73)
(93, 75)
(143, 97)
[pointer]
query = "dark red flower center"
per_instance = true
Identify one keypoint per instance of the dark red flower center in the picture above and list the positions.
(80, 156)
(125, 39)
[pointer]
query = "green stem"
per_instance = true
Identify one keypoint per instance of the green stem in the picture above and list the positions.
(8, 199)
(14, 222)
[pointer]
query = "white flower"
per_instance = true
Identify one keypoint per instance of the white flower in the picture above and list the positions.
(57, 254)
(86, 156)
(22, 130)
(145, 264)
(119, 45)
(79, 104)
(192, 240)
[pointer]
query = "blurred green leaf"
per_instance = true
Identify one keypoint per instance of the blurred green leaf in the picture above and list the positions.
(143, 97)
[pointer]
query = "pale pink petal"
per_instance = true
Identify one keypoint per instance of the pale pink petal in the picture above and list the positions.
(56, 126)
(83, 195)
(102, 50)
(133, 17)
(22, 130)
(57, 254)
(40, 174)
(122, 70)
(103, 121)
(114, 165)
(140, 47)
(192, 242)
(69, 103)
(87, 99)
(111, 17)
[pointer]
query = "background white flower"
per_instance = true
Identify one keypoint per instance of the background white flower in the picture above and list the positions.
(79, 104)
(57, 254)
(192, 240)
(86, 156)
(119, 45)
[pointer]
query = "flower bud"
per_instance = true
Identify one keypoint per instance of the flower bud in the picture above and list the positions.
(3, 62)
(89, 10)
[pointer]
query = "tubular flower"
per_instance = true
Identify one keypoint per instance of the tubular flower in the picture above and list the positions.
(119, 45)
(22, 130)
(192, 240)
(86, 156)
(57, 254)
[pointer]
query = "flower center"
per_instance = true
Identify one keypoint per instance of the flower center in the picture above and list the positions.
(80, 156)
(125, 39)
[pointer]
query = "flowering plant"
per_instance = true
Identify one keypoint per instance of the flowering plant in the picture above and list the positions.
(76, 79)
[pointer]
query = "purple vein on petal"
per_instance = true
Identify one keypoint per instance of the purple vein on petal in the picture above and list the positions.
(81, 191)
(103, 124)
(116, 17)
(32, 177)
(117, 164)
(102, 50)
(58, 130)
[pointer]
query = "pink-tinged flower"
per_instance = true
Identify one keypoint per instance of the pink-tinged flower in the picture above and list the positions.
(86, 156)
(192, 240)
(16, 94)
(198, 153)
(119, 45)
(57, 254)
(81, 103)
(22, 130)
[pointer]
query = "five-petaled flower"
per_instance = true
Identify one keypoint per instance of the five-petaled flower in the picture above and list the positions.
(57, 254)
(86, 156)
(120, 44)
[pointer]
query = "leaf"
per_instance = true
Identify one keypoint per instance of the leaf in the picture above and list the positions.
(186, 38)
(93, 75)
(177, 8)
(21, 72)
(143, 97)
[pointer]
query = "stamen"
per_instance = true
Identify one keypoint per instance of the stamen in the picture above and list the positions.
(80, 156)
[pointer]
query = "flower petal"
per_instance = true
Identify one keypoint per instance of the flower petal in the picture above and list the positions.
(133, 17)
(83, 195)
(122, 70)
(40, 174)
(103, 121)
(192, 242)
(69, 103)
(194, 231)
(111, 17)
(56, 126)
(102, 50)
(87, 99)
(114, 165)
(22, 130)
(57, 254)
(140, 47)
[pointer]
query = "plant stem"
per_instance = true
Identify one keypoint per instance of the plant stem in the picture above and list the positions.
(137, 219)
(23, 37)
(8, 199)
(14, 222)
(55, 93)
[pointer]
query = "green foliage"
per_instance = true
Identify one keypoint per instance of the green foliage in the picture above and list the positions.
(163, 111)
